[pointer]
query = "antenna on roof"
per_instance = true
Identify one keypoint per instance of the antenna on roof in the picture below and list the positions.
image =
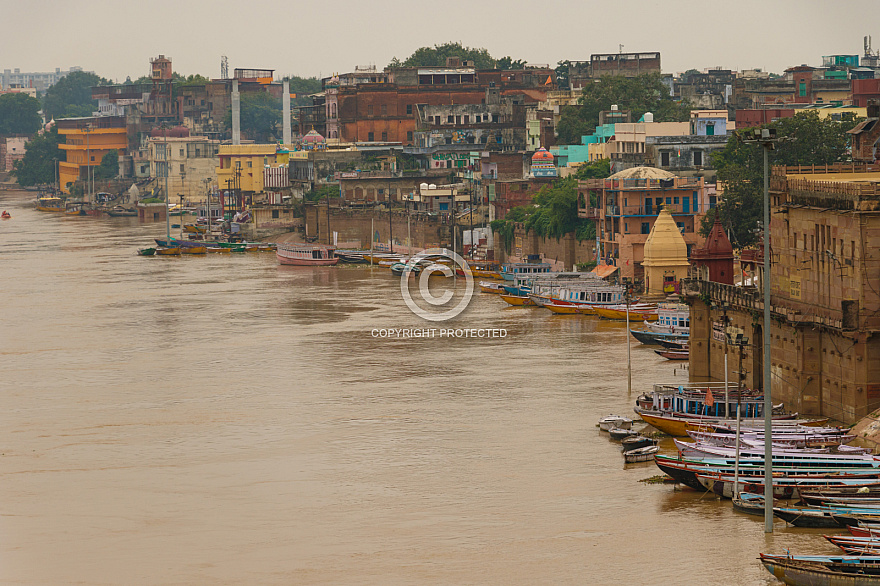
(224, 67)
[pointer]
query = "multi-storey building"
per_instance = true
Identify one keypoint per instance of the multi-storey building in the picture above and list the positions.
(189, 163)
(39, 81)
(825, 296)
(87, 141)
(626, 206)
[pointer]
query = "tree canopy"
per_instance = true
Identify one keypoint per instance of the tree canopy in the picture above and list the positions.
(38, 165)
(260, 116)
(508, 62)
(811, 141)
(436, 56)
(109, 167)
(640, 94)
(71, 97)
(554, 212)
(19, 114)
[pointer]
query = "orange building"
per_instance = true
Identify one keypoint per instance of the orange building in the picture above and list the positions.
(87, 141)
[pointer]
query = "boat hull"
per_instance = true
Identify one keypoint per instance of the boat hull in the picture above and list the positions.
(517, 300)
(300, 262)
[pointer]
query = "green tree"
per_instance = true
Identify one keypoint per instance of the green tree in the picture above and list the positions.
(322, 192)
(72, 96)
(38, 165)
(594, 170)
(19, 114)
(109, 167)
(436, 56)
(260, 116)
(508, 62)
(811, 141)
(640, 94)
(562, 71)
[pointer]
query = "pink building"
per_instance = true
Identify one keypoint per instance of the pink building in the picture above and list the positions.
(15, 149)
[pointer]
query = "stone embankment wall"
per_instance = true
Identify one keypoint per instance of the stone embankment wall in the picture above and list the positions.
(562, 254)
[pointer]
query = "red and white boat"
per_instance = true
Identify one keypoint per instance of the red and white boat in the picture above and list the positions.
(302, 254)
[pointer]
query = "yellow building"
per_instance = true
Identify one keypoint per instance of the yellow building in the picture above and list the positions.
(666, 257)
(87, 141)
(241, 166)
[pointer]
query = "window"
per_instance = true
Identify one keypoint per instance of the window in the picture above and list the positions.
(384, 137)
(409, 135)
(465, 120)
(384, 109)
(710, 129)
(713, 201)
(181, 152)
(449, 119)
(668, 201)
(275, 214)
(370, 110)
(675, 200)
(664, 159)
(698, 158)
(646, 228)
(250, 164)
(238, 164)
(381, 191)
(370, 137)
(626, 227)
(182, 170)
(409, 108)
(802, 88)
(494, 117)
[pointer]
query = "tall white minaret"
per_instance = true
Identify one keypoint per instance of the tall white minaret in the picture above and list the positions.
(285, 99)
(236, 114)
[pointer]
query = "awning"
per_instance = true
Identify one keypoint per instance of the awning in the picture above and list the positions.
(604, 270)
(863, 126)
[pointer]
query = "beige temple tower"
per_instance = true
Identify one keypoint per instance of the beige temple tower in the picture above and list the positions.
(666, 259)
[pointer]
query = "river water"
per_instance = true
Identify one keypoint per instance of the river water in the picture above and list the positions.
(227, 420)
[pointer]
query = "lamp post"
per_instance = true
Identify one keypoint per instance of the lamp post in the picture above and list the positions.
(87, 129)
(766, 137)
(167, 171)
(740, 342)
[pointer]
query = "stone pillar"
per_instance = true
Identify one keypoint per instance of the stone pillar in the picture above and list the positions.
(700, 342)
(285, 101)
(236, 114)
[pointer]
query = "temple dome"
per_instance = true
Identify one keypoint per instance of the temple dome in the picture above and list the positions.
(542, 155)
(665, 246)
(643, 173)
(313, 136)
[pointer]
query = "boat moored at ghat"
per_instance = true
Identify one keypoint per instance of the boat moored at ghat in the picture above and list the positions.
(50, 204)
(303, 254)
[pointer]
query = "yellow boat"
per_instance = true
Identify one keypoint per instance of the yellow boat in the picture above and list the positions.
(494, 288)
(217, 249)
(679, 426)
(562, 309)
(193, 229)
(172, 251)
(193, 250)
(634, 314)
(585, 309)
(517, 300)
(50, 204)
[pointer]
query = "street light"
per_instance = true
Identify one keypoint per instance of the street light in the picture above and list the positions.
(766, 137)
(167, 171)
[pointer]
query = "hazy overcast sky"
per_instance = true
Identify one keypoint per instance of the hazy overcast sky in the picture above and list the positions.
(117, 38)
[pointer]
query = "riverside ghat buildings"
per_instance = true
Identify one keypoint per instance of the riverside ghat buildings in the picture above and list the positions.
(825, 300)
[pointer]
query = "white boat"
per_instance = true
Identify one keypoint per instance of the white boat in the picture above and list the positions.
(612, 421)
(672, 318)
(645, 454)
(302, 254)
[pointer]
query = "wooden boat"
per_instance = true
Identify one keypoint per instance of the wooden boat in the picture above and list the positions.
(616, 313)
(585, 310)
(302, 254)
(809, 517)
(512, 270)
(645, 454)
(171, 251)
(673, 354)
(518, 300)
(194, 250)
(787, 487)
(612, 421)
(637, 442)
(562, 309)
(822, 573)
(493, 288)
(194, 229)
(50, 204)
(619, 433)
(750, 503)
(146, 251)
(120, 212)
(218, 250)
(651, 338)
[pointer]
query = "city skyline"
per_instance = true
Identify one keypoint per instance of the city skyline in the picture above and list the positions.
(320, 43)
